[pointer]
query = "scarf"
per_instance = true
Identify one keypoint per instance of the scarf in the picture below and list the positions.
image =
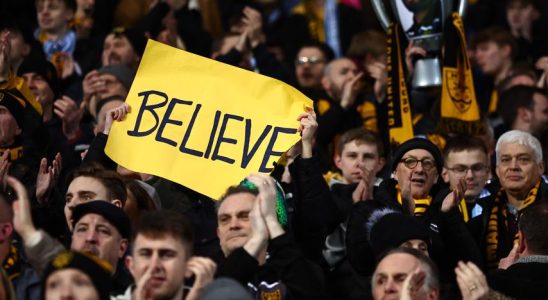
(459, 108)
(398, 107)
(12, 263)
(421, 205)
(500, 212)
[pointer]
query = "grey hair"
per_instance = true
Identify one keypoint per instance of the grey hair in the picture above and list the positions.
(521, 138)
(375, 217)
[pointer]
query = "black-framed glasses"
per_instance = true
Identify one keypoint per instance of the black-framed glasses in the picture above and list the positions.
(463, 169)
(308, 60)
(411, 163)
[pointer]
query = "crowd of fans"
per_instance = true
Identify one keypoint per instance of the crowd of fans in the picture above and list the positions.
(344, 214)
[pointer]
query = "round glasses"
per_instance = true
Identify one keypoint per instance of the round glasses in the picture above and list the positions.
(411, 163)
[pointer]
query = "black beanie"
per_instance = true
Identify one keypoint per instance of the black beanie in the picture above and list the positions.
(114, 215)
(98, 270)
(417, 143)
(135, 37)
(43, 68)
(393, 229)
(15, 106)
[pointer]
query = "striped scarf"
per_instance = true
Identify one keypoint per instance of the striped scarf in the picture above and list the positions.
(421, 205)
(500, 211)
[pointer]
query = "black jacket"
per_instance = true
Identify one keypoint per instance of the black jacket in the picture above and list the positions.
(285, 275)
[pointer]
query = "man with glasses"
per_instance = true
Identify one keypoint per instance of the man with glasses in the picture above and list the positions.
(466, 159)
(519, 169)
(309, 67)
(414, 190)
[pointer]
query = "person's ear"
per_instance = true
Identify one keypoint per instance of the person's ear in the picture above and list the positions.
(6, 230)
(118, 203)
(445, 175)
(124, 243)
(337, 160)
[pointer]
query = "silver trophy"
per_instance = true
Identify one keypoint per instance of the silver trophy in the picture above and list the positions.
(422, 21)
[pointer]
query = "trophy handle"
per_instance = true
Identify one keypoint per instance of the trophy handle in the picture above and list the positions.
(463, 4)
(378, 8)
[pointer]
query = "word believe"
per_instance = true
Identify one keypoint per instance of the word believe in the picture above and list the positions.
(217, 136)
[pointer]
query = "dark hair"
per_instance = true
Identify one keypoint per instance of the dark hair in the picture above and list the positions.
(360, 135)
(323, 47)
(462, 143)
(367, 42)
(161, 223)
(428, 266)
(70, 4)
(523, 3)
(533, 222)
(519, 70)
(498, 35)
(235, 189)
(514, 98)
(113, 183)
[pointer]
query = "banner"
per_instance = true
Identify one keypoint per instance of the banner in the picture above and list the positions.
(203, 124)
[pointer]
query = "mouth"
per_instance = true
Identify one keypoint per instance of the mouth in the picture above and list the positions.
(514, 177)
(419, 181)
(157, 281)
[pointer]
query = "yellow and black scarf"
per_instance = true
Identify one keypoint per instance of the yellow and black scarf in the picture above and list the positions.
(459, 107)
(421, 205)
(398, 106)
(12, 263)
(500, 212)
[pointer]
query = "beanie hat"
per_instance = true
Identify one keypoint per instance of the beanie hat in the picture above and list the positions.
(389, 229)
(98, 270)
(135, 37)
(225, 288)
(121, 72)
(417, 143)
(114, 215)
(44, 68)
(15, 106)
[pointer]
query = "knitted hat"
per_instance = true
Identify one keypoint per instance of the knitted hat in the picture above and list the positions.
(114, 215)
(121, 72)
(417, 143)
(43, 68)
(98, 270)
(15, 106)
(225, 289)
(135, 37)
(389, 229)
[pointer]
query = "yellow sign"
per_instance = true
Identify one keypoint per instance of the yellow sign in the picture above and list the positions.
(203, 124)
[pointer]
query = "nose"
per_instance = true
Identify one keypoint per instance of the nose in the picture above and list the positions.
(91, 236)
(390, 286)
(514, 163)
(469, 173)
(66, 291)
(234, 223)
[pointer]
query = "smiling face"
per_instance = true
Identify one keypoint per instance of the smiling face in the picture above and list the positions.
(53, 15)
(234, 227)
(421, 179)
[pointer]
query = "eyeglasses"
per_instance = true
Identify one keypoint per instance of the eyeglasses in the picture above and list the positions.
(411, 163)
(461, 170)
(308, 60)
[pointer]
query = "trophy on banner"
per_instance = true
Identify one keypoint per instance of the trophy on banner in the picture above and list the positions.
(422, 21)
